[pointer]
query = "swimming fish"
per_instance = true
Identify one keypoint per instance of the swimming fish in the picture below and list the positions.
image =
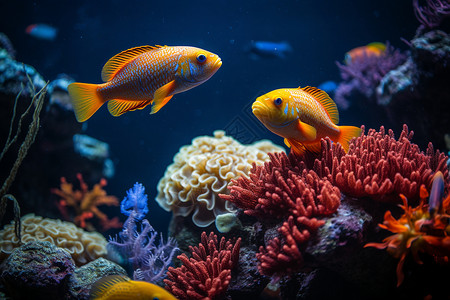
(120, 287)
(328, 86)
(42, 31)
(372, 49)
(303, 116)
(266, 49)
(141, 76)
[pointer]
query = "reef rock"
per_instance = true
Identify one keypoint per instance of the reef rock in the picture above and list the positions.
(84, 277)
(37, 270)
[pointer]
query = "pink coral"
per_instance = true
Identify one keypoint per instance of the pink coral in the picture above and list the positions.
(283, 187)
(207, 273)
(380, 167)
(285, 257)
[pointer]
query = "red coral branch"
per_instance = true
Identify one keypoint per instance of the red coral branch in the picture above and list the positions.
(284, 256)
(207, 273)
(380, 167)
(283, 187)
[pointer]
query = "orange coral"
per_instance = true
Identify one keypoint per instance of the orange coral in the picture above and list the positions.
(84, 204)
(420, 229)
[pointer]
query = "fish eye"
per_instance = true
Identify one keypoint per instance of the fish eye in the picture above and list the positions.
(155, 298)
(278, 101)
(201, 58)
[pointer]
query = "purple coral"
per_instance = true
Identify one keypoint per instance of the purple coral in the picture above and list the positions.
(432, 14)
(363, 75)
(149, 261)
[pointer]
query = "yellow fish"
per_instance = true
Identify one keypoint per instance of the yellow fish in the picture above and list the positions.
(372, 49)
(141, 76)
(122, 288)
(303, 116)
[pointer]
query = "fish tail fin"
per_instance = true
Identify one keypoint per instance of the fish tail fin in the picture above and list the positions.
(346, 134)
(85, 99)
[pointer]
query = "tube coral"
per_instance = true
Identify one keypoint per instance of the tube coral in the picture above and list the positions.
(432, 15)
(380, 167)
(207, 273)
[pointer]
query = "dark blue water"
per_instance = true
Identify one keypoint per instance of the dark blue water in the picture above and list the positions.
(91, 32)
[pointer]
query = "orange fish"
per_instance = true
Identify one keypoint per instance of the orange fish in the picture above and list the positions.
(141, 76)
(372, 49)
(121, 287)
(303, 117)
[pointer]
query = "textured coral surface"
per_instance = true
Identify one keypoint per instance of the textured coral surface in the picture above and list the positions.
(202, 170)
(82, 245)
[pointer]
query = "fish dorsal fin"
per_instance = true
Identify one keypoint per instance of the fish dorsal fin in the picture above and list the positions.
(378, 45)
(117, 62)
(118, 107)
(100, 286)
(325, 100)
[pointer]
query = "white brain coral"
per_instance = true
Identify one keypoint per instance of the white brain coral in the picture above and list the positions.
(201, 171)
(83, 246)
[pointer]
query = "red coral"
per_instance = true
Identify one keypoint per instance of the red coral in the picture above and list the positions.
(84, 204)
(380, 167)
(283, 187)
(207, 273)
(285, 257)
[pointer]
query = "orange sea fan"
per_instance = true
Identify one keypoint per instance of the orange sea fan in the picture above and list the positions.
(419, 229)
(83, 204)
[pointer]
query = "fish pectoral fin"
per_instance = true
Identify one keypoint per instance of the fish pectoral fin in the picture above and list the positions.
(297, 147)
(118, 107)
(307, 131)
(162, 96)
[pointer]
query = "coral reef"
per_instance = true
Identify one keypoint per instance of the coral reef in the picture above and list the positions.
(83, 246)
(207, 273)
(363, 75)
(149, 260)
(431, 15)
(41, 270)
(85, 203)
(37, 268)
(284, 189)
(380, 167)
(84, 277)
(202, 170)
(424, 228)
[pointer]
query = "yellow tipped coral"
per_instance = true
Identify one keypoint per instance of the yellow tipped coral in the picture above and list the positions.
(83, 246)
(425, 228)
(201, 171)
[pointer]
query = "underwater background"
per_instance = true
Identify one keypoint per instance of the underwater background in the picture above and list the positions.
(318, 34)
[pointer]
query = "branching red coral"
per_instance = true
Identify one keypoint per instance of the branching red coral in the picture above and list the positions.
(84, 204)
(283, 187)
(380, 167)
(419, 229)
(284, 256)
(207, 273)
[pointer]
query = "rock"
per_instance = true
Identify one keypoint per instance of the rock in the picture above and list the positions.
(84, 277)
(37, 270)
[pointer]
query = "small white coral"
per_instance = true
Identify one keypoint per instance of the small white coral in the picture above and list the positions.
(201, 171)
(83, 246)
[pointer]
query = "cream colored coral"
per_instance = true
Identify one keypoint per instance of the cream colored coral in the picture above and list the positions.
(82, 245)
(201, 171)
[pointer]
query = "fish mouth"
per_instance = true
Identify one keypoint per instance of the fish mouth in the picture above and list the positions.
(217, 63)
(259, 109)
